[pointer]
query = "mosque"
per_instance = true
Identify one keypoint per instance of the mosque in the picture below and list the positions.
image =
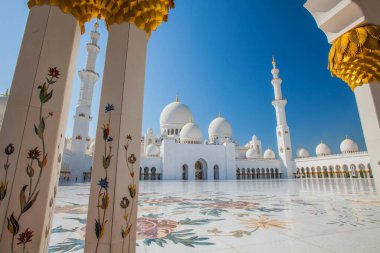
(180, 152)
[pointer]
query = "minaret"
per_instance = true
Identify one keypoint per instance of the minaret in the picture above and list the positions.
(282, 129)
(88, 78)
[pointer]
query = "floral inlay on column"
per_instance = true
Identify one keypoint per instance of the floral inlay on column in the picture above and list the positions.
(103, 196)
(9, 149)
(24, 238)
(125, 231)
(29, 192)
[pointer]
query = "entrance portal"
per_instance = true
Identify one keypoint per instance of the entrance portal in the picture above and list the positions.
(216, 172)
(200, 170)
(185, 172)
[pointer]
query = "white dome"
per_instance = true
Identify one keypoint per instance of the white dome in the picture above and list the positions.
(220, 127)
(348, 146)
(191, 132)
(251, 154)
(152, 150)
(269, 154)
(322, 149)
(149, 131)
(174, 116)
(302, 153)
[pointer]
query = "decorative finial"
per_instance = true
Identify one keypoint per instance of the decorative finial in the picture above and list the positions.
(191, 120)
(7, 92)
(273, 61)
(177, 98)
(219, 115)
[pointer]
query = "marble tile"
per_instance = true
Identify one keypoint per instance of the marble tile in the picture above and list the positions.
(235, 216)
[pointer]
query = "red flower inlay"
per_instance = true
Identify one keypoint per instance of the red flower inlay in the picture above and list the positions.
(25, 237)
(54, 72)
(34, 154)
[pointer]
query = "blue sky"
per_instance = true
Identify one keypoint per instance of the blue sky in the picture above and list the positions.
(216, 55)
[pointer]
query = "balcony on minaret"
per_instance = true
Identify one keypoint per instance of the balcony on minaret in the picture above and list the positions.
(88, 75)
(279, 102)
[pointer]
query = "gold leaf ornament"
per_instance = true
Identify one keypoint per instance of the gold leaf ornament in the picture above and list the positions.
(355, 56)
(146, 14)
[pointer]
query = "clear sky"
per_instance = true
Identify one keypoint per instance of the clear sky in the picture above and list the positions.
(216, 54)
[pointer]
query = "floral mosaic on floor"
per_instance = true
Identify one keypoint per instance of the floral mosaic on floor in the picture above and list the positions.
(201, 217)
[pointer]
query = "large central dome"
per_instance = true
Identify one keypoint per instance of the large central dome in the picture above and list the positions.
(174, 116)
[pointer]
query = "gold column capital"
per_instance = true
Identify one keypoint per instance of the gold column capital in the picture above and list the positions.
(146, 14)
(355, 56)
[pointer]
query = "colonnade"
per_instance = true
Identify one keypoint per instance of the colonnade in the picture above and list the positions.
(257, 173)
(337, 171)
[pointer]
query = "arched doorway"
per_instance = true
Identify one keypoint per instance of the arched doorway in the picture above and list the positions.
(185, 172)
(353, 170)
(216, 172)
(243, 173)
(200, 170)
(238, 173)
(153, 173)
(146, 173)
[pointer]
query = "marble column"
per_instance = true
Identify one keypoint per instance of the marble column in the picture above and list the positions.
(112, 212)
(368, 101)
(31, 135)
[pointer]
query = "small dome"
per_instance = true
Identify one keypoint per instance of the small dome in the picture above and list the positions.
(269, 154)
(302, 153)
(175, 115)
(152, 150)
(191, 133)
(251, 154)
(348, 146)
(322, 149)
(149, 131)
(220, 127)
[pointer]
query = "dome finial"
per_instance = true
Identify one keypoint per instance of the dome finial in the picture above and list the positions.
(273, 62)
(177, 98)
(219, 115)
(96, 25)
(191, 120)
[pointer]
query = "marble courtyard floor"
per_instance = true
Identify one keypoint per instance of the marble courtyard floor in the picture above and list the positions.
(308, 215)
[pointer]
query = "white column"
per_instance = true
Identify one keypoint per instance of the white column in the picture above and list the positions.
(368, 101)
(112, 211)
(35, 121)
